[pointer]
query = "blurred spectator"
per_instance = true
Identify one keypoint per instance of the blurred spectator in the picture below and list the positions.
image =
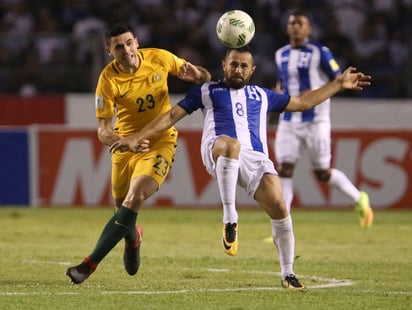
(372, 37)
(85, 33)
(17, 26)
(340, 44)
(66, 37)
(351, 15)
(50, 44)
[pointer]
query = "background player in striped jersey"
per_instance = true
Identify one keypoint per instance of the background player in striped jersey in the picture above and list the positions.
(303, 65)
(234, 144)
(133, 89)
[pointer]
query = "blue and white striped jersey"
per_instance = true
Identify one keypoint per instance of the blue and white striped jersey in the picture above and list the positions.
(238, 113)
(301, 69)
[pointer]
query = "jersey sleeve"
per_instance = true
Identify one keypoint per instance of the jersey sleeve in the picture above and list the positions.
(277, 102)
(193, 99)
(172, 62)
(104, 104)
(328, 63)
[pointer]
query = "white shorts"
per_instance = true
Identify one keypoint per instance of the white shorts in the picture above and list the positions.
(252, 166)
(292, 138)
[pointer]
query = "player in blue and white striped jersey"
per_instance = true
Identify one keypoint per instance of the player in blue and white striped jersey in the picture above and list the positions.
(303, 65)
(234, 146)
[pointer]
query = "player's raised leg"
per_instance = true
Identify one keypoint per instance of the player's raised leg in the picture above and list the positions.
(365, 213)
(361, 199)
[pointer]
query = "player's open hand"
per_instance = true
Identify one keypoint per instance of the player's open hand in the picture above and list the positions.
(351, 79)
(188, 72)
(130, 144)
(192, 73)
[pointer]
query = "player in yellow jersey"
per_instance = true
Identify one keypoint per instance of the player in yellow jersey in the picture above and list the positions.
(133, 89)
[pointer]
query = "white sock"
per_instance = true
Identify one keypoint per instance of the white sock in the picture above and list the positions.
(287, 188)
(227, 171)
(339, 180)
(284, 240)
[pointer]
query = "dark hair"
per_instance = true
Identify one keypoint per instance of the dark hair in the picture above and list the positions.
(243, 49)
(116, 29)
(298, 12)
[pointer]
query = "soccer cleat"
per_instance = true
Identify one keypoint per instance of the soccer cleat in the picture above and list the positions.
(292, 282)
(229, 240)
(131, 254)
(80, 273)
(364, 210)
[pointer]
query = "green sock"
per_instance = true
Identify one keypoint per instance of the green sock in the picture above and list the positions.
(116, 228)
(131, 235)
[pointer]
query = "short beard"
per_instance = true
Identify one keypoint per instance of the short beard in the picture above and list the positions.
(236, 83)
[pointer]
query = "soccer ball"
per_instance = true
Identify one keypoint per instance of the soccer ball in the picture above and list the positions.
(235, 28)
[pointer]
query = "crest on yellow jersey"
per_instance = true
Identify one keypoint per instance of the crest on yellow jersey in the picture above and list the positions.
(157, 77)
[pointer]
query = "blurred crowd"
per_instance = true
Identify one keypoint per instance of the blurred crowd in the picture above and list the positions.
(53, 46)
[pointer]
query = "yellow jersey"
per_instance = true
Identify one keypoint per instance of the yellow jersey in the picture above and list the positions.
(137, 98)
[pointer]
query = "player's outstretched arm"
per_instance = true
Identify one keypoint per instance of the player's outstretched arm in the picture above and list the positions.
(195, 74)
(139, 142)
(349, 79)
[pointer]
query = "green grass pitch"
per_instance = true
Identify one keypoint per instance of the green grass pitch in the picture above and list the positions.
(184, 267)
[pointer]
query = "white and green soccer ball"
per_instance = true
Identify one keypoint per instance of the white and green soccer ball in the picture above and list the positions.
(235, 28)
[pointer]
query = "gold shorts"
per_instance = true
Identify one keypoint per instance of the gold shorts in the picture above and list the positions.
(156, 163)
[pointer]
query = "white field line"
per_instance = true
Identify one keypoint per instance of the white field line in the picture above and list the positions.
(327, 283)
(176, 292)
